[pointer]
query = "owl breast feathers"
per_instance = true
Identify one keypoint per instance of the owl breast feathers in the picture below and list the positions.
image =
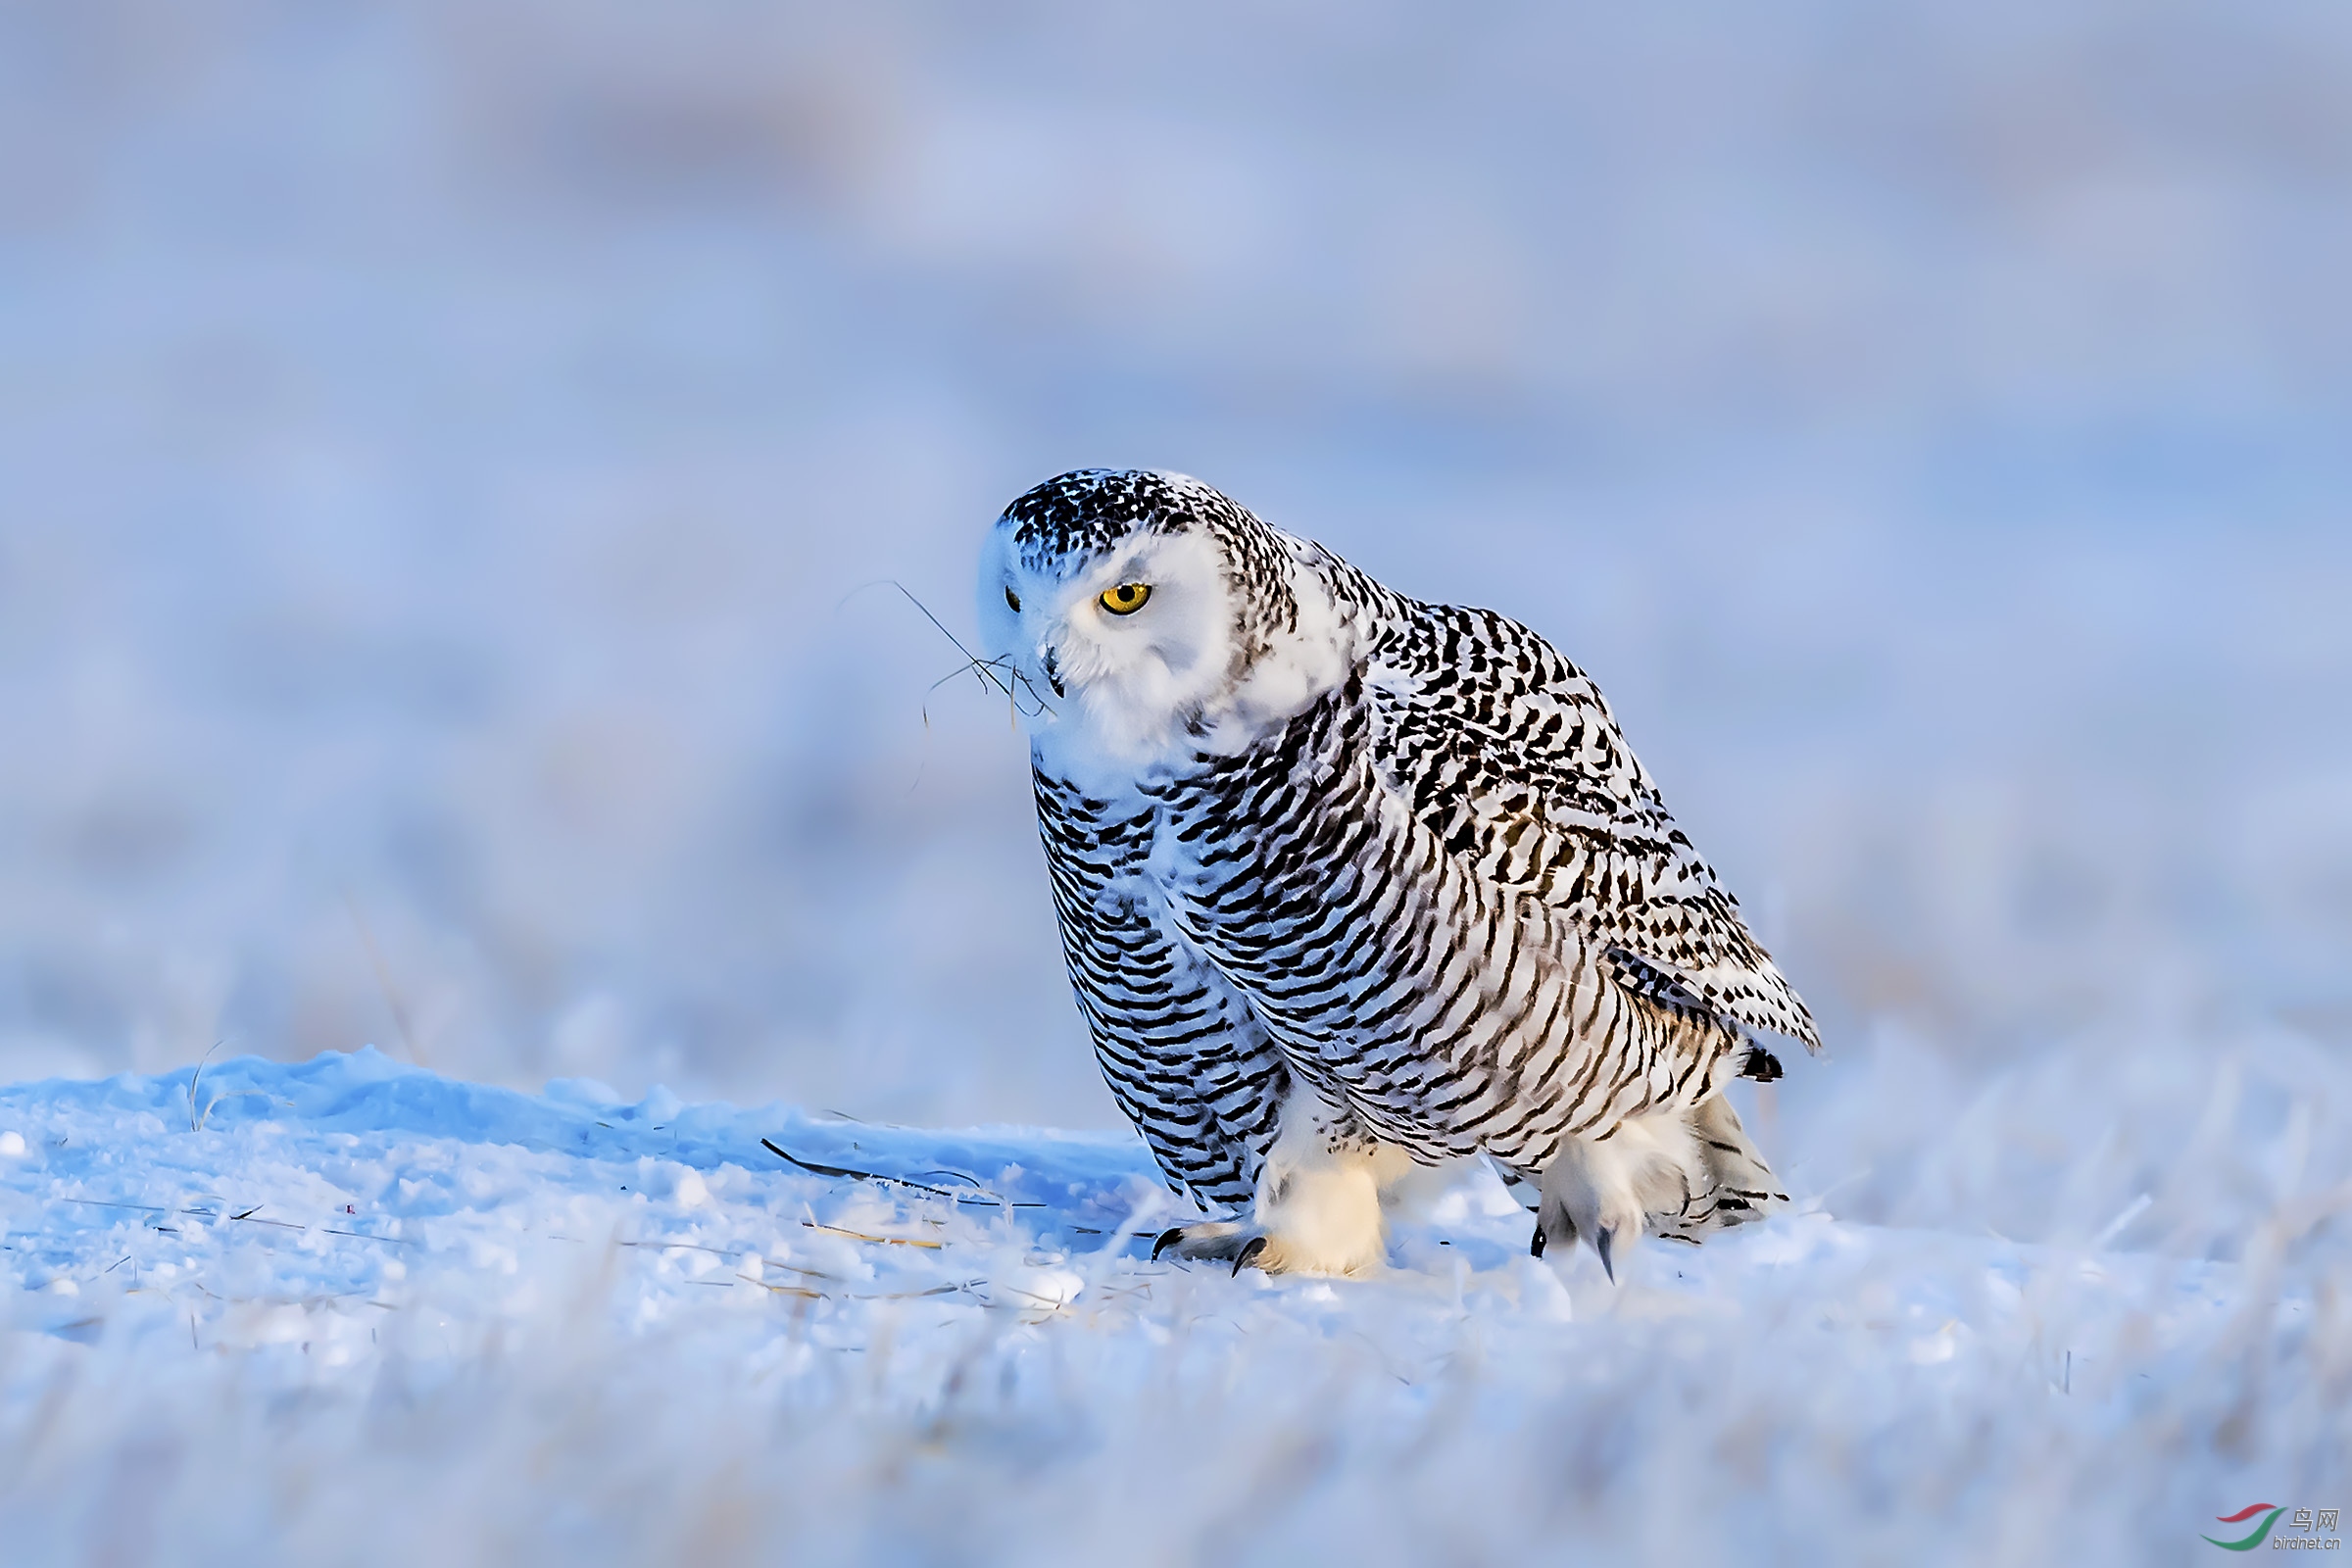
(1351, 884)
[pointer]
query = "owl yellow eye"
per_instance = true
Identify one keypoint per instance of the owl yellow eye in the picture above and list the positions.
(1127, 598)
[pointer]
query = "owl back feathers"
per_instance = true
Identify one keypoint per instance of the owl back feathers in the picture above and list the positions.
(1511, 755)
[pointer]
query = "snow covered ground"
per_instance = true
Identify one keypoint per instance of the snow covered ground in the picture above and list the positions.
(352, 1311)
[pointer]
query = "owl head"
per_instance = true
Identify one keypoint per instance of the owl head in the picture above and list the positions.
(1153, 617)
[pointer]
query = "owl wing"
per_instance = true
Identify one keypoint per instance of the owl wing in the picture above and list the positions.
(1509, 754)
(1186, 1059)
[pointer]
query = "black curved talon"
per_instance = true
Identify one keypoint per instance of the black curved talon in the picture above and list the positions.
(1600, 1245)
(1248, 1255)
(1167, 1239)
(1534, 1249)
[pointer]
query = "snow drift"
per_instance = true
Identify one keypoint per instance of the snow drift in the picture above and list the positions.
(351, 1311)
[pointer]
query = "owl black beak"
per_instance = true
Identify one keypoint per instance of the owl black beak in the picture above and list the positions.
(1054, 674)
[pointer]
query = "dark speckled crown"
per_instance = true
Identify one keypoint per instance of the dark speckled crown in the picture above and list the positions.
(1079, 514)
(1075, 516)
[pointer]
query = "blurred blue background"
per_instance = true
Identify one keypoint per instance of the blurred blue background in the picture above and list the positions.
(441, 451)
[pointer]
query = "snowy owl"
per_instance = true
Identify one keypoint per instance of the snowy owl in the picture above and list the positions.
(1351, 884)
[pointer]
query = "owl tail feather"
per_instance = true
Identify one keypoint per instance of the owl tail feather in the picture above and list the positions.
(1732, 1184)
(1679, 1173)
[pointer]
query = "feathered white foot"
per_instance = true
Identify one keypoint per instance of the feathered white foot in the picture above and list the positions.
(1594, 1191)
(1319, 1207)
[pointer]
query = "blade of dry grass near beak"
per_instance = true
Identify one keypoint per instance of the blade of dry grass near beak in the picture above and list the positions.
(861, 1236)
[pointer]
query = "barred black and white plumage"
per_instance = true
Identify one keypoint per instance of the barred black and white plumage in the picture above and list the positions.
(1349, 883)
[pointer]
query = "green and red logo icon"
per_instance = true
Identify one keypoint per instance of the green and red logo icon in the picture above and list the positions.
(2270, 1517)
